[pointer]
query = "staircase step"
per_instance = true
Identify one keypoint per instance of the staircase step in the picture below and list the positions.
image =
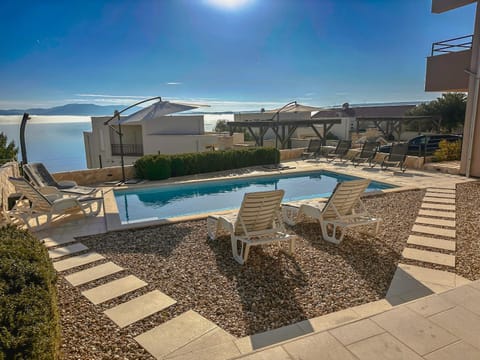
(66, 250)
(443, 214)
(93, 273)
(49, 242)
(433, 231)
(175, 334)
(431, 242)
(429, 257)
(113, 289)
(442, 189)
(435, 206)
(438, 200)
(78, 260)
(433, 221)
(139, 308)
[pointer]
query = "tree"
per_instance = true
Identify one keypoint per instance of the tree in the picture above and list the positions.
(221, 126)
(450, 107)
(7, 152)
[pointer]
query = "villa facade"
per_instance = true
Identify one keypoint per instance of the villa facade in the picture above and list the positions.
(165, 135)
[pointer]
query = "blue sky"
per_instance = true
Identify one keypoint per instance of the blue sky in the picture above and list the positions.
(260, 53)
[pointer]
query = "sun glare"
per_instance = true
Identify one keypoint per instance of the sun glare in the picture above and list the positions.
(229, 4)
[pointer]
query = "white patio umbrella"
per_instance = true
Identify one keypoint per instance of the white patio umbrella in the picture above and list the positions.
(156, 110)
(151, 112)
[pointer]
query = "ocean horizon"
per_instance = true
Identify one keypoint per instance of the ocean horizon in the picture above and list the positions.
(57, 141)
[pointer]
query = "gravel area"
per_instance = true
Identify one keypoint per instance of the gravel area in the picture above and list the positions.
(468, 230)
(272, 290)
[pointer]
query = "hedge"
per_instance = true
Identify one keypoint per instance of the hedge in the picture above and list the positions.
(158, 167)
(29, 322)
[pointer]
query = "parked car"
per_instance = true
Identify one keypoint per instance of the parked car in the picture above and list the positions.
(424, 145)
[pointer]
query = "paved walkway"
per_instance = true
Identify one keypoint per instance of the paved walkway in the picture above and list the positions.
(435, 327)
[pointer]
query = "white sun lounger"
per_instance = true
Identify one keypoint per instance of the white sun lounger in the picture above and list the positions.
(258, 222)
(344, 209)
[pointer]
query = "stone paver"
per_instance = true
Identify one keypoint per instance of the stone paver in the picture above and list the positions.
(441, 214)
(359, 330)
(438, 200)
(434, 231)
(93, 273)
(174, 334)
(260, 340)
(66, 250)
(422, 274)
(431, 242)
(426, 205)
(274, 353)
(414, 330)
(431, 193)
(442, 190)
(372, 308)
(429, 256)
(78, 260)
(465, 296)
(461, 323)
(430, 305)
(405, 287)
(113, 289)
(382, 347)
(310, 347)
(433, 221)
(330, 320)
(216, 341)
(139, 308)
(455, 351)
(52, 241)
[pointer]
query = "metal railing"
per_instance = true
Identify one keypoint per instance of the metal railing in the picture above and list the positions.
(128, 149)
(452, 45)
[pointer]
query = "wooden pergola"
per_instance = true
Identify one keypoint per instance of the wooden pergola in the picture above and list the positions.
(393, 124)
(283, 130)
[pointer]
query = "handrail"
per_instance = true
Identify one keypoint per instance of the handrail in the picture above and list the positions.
(452, 45)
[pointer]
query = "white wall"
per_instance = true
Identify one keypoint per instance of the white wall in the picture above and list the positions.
(177, 144)
(175, 125)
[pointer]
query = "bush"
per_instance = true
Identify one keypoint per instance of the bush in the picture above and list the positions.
(156, 167)
(448, 150)
(28, 304)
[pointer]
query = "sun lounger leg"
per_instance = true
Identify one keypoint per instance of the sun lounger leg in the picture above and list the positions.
(241, 257)
(212, 226)
(332, 238)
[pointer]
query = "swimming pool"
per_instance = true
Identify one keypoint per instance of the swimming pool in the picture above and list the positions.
(154, 203)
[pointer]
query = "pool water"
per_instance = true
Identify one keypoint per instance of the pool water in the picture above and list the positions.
(165, 202)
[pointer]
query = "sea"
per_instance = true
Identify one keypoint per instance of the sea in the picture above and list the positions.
(57, 141)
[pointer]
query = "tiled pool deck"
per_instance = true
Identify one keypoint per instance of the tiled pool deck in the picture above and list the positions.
(427, 314)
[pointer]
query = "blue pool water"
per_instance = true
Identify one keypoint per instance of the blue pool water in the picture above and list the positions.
(188, 199)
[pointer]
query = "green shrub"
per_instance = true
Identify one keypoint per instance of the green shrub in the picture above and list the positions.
(448, 150)
(156, 167)
(28, 304)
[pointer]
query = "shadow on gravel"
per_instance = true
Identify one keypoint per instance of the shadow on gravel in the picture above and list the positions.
(267, 284)
(371, 259)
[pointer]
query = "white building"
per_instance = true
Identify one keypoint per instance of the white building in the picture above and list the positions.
(165, 135)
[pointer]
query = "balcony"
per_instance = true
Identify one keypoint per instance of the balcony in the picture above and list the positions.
(128, 149)
(447, 63)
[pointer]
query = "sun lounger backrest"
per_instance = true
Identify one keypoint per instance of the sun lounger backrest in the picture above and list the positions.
(39, 202)
(398, 152)
(258, 211)
(344, 198)
(368, 149)
(342, 147)
(38, 173)
(314, 145)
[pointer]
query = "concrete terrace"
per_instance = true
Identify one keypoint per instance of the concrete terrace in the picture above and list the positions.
(427, 313)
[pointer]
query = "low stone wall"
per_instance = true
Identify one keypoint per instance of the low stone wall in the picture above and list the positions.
(6, 170)
(96, 176)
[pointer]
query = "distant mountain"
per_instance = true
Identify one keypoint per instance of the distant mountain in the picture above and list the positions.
(70, 109)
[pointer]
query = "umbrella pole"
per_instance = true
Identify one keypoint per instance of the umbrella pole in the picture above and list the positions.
(121, 151)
